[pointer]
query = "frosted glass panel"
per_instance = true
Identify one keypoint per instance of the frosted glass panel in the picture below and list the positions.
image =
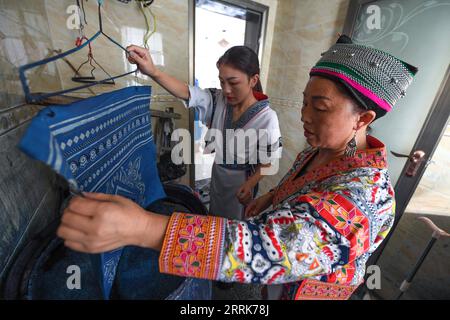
(418, 32)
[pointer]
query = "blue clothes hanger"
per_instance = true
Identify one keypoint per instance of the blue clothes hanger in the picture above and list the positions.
(33, 98)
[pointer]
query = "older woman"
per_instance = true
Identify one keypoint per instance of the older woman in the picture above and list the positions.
(330, 212)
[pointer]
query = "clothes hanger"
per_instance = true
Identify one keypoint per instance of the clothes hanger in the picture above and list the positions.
(77, 77)
(33, 98)
(91, 60)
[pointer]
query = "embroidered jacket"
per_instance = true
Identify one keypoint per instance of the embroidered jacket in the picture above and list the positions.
(323, 227)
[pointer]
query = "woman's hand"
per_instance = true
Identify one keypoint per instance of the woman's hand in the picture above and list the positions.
(100, 222)
(258, 205)
(245, 193)
(143, 59)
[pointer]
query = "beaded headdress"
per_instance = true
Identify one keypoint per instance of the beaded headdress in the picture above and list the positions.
(376, 79)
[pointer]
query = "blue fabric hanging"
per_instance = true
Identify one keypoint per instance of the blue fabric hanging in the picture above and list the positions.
(101, 144)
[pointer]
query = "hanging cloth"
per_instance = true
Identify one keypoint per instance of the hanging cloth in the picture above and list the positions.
(101, 144)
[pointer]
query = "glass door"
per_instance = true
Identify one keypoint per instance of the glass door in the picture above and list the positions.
(413, 130)
(219, 25)
(432, 195)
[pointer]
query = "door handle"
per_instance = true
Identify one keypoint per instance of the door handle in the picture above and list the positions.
(399, 155)
(415, 160)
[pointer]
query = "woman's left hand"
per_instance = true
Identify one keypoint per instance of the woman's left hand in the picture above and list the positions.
(245, 193)
(100, 222)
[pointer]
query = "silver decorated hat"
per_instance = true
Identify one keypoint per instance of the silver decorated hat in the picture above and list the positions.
(376, 79)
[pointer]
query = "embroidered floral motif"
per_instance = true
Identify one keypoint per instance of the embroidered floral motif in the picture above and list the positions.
(191, 238)
(349, 222)
(316, 290)
(186, 263)
(193, 246)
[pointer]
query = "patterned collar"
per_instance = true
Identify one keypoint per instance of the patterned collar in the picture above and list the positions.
(249, 114)
(374, 157)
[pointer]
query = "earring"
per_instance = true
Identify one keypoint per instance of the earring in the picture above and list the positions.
(350, 150)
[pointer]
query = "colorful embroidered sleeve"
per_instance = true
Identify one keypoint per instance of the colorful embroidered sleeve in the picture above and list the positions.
(323, 235)
(193, 246)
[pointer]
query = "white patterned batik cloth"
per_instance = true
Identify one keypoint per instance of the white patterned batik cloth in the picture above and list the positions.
(101, 144)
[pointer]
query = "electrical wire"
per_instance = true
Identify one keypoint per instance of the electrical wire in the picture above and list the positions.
(84, 12)
(144, 6)
(81, 9)
(148, 15)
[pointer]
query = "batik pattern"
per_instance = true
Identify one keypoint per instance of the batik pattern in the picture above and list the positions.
(101, 144)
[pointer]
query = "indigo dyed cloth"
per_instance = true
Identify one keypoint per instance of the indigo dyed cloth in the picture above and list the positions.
(101, 144)
(137, 276)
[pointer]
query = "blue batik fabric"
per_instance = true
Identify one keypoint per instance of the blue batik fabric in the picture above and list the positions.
(101, 144)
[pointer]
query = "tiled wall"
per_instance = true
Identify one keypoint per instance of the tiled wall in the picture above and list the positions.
(24, 37)
(303, 30)
(31, 30)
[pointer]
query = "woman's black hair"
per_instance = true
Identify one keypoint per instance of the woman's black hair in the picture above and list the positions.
(243, 59)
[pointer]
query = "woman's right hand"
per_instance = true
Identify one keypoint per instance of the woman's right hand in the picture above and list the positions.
(142, 58)
(100, 222)
(258, 205)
